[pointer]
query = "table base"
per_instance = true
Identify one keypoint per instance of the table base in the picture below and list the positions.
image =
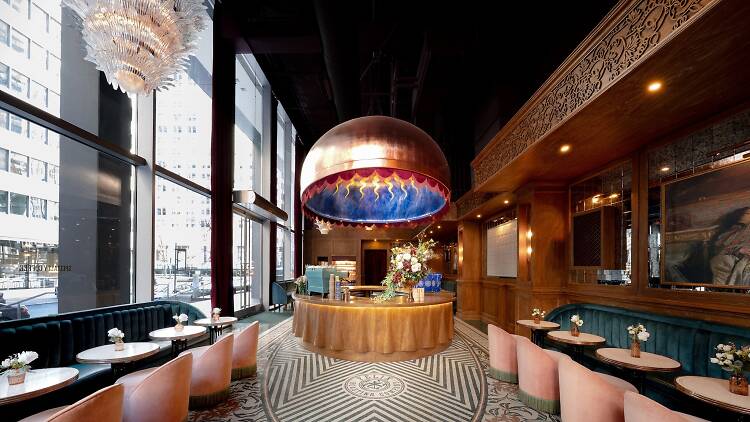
(119, 369)
(214, 332)
(178, 346)
(537, 337)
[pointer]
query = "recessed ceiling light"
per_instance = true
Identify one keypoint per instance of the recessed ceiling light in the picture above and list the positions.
(665, 169)
(479, 215)
(565, 148)
(430, 231)
(506, 202)
(440, 227)
(654, 86)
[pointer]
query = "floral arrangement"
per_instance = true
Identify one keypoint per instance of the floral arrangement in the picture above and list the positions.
(638, 333)
(536, 312)
(181, 318)
(731, 358)
(408, 266)
(115, 335)
(19, 361)
(215, 311)
(576, 319)
(301, 284)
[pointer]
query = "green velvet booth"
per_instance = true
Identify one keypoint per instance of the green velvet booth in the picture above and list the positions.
(58, 338)
(318, 278)
(689, 341)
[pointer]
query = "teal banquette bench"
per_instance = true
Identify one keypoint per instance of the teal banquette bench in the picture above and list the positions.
(317, 278)
(689, 341)
(58, 338)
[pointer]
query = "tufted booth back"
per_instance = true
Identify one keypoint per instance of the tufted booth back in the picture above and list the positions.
(58, 338)
(689, 341)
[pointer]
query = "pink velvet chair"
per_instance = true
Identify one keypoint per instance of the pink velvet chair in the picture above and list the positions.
(590, 396)
(503, 362)
(537, 376)
(639, 408)
(104, 405)
(212, 372)
(245, 353)
(158, 394)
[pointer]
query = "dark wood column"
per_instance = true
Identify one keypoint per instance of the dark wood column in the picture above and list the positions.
(222, 168)
(297, 204)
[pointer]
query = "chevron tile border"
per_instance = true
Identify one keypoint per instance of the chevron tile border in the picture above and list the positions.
(296, 385)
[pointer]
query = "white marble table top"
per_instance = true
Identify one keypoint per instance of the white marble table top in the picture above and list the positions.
(107, 353)
(714, 391)
(543, 325)
(208, 322)
(649, 362)
(188, 332)
(584, 339)
(38, 382)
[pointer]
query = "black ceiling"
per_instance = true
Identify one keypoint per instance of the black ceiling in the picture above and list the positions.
(458, 70)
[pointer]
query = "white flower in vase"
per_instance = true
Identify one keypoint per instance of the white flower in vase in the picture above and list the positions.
(216, 311)
(575, 319)
(19, 361)
(180, 318)
(115, 335)
(415, 268)
(643, 335)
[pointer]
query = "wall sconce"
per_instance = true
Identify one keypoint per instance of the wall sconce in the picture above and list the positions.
(529, 234)
(528, 250)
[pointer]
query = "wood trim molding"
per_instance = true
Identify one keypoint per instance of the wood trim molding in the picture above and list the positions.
(628, 35)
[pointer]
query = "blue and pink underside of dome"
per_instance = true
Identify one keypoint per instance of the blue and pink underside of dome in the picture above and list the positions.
(376, 196)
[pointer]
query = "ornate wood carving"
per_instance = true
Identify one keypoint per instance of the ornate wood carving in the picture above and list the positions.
(635, 30)
(471, 201)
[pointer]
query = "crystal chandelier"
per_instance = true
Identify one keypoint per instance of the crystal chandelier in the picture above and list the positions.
(139, 44)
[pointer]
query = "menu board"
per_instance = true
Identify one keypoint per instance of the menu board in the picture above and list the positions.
(502, 250)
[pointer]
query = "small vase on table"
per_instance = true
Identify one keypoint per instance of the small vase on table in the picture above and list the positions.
(574, 330)
(738, 384)
(16, 376)
(635, 348)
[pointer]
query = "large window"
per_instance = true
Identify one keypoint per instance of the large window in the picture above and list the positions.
(183, 117)
(182, 245)
(247, 262)
(248, 144)
(285, 139)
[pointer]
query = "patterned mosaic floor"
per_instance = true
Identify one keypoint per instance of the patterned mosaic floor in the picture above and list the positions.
(296, 385)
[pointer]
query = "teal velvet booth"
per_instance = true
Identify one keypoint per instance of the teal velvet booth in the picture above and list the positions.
(689, 341)
(58, 338)
(317, 278)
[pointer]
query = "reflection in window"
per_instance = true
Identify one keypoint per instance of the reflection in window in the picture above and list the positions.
(3, 202)
(38, 208)
(3, 159)
(4, 33)
(20, 43)
(19, 84)
(182, 245)
(4, 75)
(38, 170)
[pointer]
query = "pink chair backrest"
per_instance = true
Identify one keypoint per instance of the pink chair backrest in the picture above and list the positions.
(212, 370)
(104, 405)
(585, 396)
(639, 408)
(246, 346)
(537, 370)
(167, 389)
(502, 346)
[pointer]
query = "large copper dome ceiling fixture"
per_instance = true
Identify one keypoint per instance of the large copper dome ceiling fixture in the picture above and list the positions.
(375, 170)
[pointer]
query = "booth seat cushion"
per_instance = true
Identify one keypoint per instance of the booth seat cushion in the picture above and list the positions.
(689, 341)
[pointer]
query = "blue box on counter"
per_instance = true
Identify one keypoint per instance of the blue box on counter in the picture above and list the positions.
(432, 283)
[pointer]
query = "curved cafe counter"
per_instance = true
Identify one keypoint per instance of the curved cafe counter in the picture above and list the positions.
(367, 331)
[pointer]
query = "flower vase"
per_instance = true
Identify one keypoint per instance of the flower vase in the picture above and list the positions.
(179, 327)
(574, 330)
(635, 348)
(409, 294)
(738, 385)
(16, 376)
(119, 345)
(537, 320)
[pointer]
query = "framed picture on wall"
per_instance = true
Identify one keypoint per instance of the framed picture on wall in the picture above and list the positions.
(706, 228)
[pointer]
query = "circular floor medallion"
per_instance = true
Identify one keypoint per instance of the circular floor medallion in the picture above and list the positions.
(374, 386)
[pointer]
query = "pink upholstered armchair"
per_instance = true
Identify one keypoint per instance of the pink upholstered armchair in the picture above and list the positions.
(639, 408)
(158, 394)
(537, 376)
(590, 396)
(212, 372)
(244, 355)
(503, 362)
(104, 405)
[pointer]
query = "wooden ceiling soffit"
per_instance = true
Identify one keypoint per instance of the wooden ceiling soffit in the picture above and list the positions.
(629, 34)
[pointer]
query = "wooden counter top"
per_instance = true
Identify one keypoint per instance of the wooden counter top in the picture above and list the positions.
(364, 302)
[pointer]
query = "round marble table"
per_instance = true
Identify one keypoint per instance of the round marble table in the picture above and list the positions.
(578, 343)
(648, 362)
(179, 339)
(365, 330)
(714, 391)
(538, 331)
(215, 328)
(38, 382)
(118, 359)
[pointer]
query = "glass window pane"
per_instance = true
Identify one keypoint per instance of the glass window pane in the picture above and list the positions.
(22, 7)
(38, 208)
(4, 33)
(18, 125)
(3, 202)
(20, 43)
(248, 126)
(182, 245)
(3, 159)
(247, 255)
(4, 75)
(18, 204)
(19, 84)
(38, 170)
(19, 164)
(38, 95)
(185, 110)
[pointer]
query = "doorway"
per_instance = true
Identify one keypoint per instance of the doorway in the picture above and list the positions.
(375, 266)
